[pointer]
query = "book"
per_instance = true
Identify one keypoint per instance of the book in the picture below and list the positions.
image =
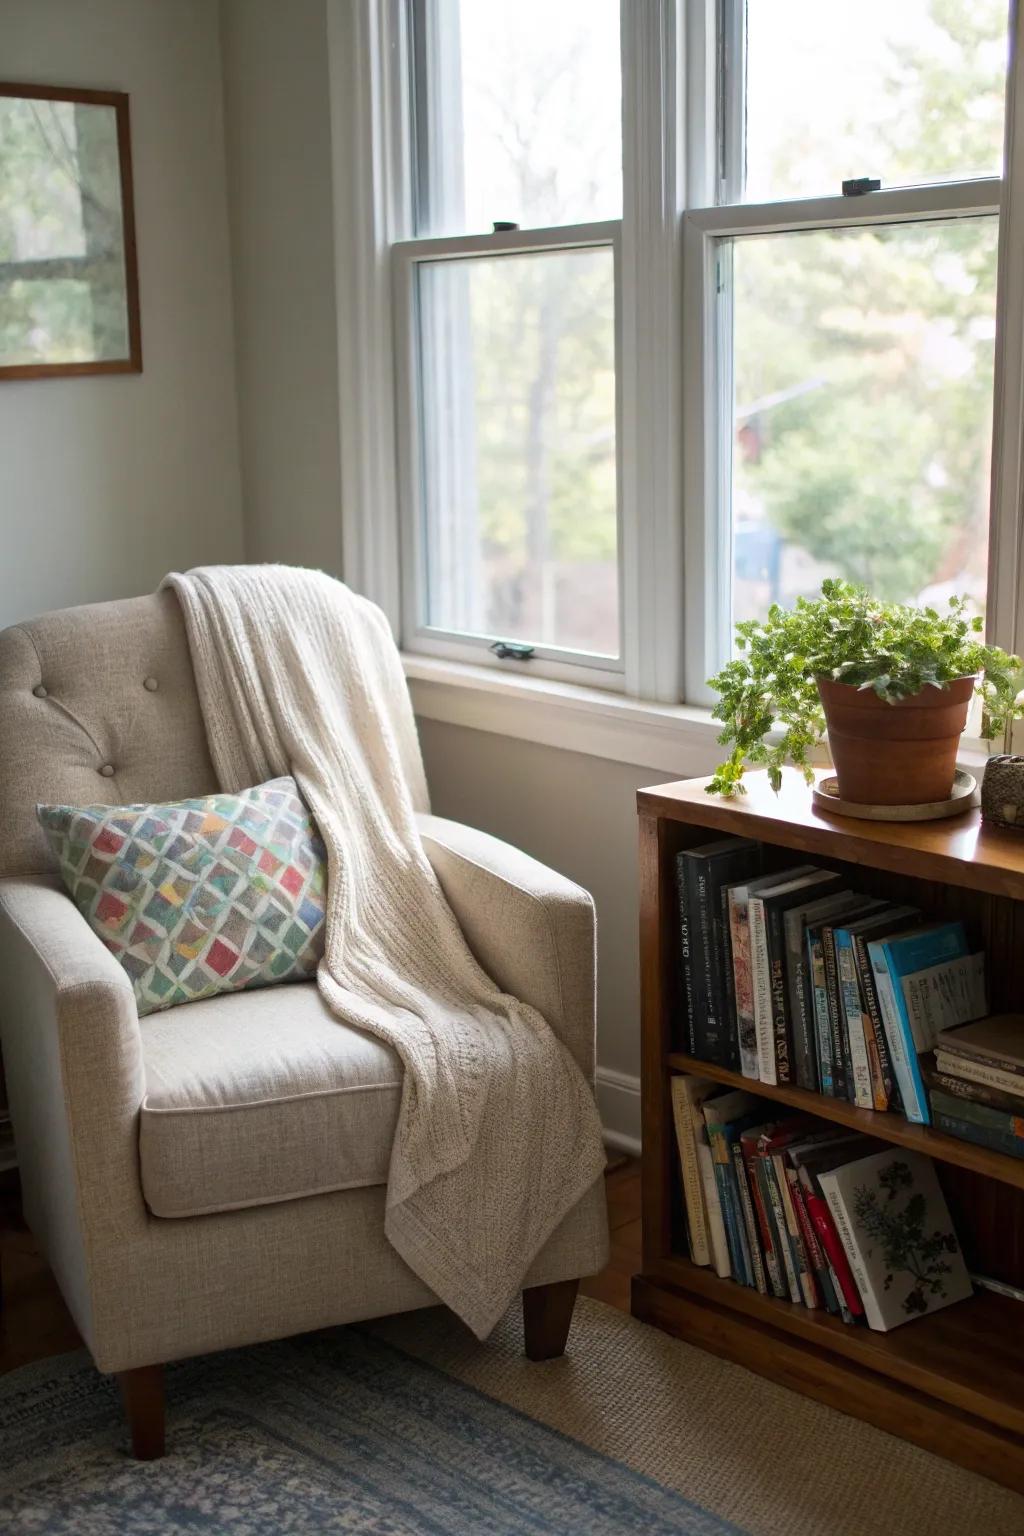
(815, 1252)
(944, 996)
(704, 871)
(883, 1079)
(685, 965)
(997, 1041)
(768, 1238)
(962, 1088)
(800, 982)
(767, 957)
(776, 902)
(866, 1082)
(713, 1206)
(909, 1034)
(688, 1093)
(809, 1162)
(726, 1117)
(749, 1218)
(834, 1042)
(976, 1072)
(739, 895)
(978, 1123)
(897, 1235)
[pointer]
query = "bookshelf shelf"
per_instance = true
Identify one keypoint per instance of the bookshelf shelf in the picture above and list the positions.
(952, 1382)
(919, 1138)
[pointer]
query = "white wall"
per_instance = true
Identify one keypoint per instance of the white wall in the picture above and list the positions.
(577, 814)
(107, 483)
(277, 117)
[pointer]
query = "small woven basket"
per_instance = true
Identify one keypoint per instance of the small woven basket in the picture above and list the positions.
(1002, 792)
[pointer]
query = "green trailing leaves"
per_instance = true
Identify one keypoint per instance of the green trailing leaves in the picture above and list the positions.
(768, 697)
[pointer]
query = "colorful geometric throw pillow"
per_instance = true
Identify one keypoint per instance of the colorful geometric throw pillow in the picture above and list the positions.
(202, 896)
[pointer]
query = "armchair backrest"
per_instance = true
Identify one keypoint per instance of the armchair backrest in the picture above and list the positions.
(98, 706)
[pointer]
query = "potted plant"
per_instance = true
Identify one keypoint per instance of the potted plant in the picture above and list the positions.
(892, 685)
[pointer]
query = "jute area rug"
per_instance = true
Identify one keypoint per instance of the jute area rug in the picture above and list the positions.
(408, 1427)
(757, 1455)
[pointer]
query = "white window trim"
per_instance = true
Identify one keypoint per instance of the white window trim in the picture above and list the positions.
(662, 272)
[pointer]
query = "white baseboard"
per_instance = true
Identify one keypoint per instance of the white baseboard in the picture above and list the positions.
(618, 1099)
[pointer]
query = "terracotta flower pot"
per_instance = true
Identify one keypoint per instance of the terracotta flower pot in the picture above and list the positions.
(895, 754)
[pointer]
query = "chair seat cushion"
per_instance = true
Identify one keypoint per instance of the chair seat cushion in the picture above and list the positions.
(255, 1097)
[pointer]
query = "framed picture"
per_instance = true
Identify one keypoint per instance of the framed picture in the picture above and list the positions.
(69, 284)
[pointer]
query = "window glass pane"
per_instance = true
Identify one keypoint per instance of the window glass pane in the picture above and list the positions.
(518, 113)
(904, 90)
(862, 387)
(517, 382)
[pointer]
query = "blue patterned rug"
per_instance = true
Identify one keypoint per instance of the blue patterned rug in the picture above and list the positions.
(331, 1432)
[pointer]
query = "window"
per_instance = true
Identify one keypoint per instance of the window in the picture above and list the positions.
(506, 302)
(655, 368)
(848, 386)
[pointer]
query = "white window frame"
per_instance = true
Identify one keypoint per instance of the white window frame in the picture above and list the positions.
(671, 529)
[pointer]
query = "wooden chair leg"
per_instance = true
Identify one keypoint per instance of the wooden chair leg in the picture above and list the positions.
(547, 1314)
(142, 1391)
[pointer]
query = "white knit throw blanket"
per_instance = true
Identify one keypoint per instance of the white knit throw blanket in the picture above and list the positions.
(498, 1135)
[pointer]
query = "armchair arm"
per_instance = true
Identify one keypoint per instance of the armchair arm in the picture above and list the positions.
(531, 929)
(73, 1060)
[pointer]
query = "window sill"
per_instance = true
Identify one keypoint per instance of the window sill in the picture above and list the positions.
(672, 739)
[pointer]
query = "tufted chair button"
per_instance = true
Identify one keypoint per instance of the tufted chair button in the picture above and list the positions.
(39, 691)
(107, 770)
(151, 684)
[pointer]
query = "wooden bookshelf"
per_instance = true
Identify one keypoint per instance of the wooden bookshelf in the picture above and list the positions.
(952, 1382)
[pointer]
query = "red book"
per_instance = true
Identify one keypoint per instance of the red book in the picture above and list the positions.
(825, 1227)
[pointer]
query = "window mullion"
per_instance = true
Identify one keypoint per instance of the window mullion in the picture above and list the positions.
(1006, 534)
(650, 363)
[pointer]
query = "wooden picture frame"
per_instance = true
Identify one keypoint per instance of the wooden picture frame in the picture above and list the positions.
(59, 304)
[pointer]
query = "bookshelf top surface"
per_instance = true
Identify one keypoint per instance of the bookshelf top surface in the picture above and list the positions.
(959, 851)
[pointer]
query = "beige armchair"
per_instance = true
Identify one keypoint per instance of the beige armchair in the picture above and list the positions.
(214, 1175)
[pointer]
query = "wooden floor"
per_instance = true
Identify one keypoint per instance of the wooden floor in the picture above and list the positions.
(34, 1321)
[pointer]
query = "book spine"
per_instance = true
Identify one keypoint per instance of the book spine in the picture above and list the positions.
(825, 1227)
(995, 1120)
(812, 1245)
(977, 1093)
(749, 1221)
(882, 1082)
(682, 1114)
(731, 1214)
(729, 1017)
(785, 1243)
(781, 1026)
(685, 959)
(713, 1205)
(743, 982)
(849, 994)
(996, 1063)
(861, 1279)
(835, 1016)
(760, 970)
(980, 1135)
(819, 999)
(801, 1262)
(901, 1045)
(805, 1055)
(773, 1271)
(976, 1072)
(721, 963)
(777, 1274)
(705, 1033)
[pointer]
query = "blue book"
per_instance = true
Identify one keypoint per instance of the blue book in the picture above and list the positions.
(726, 1117)
(892, 960)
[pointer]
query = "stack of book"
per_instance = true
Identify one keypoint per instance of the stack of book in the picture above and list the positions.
(794, 977)
(811, 1213)
(976, 1083)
